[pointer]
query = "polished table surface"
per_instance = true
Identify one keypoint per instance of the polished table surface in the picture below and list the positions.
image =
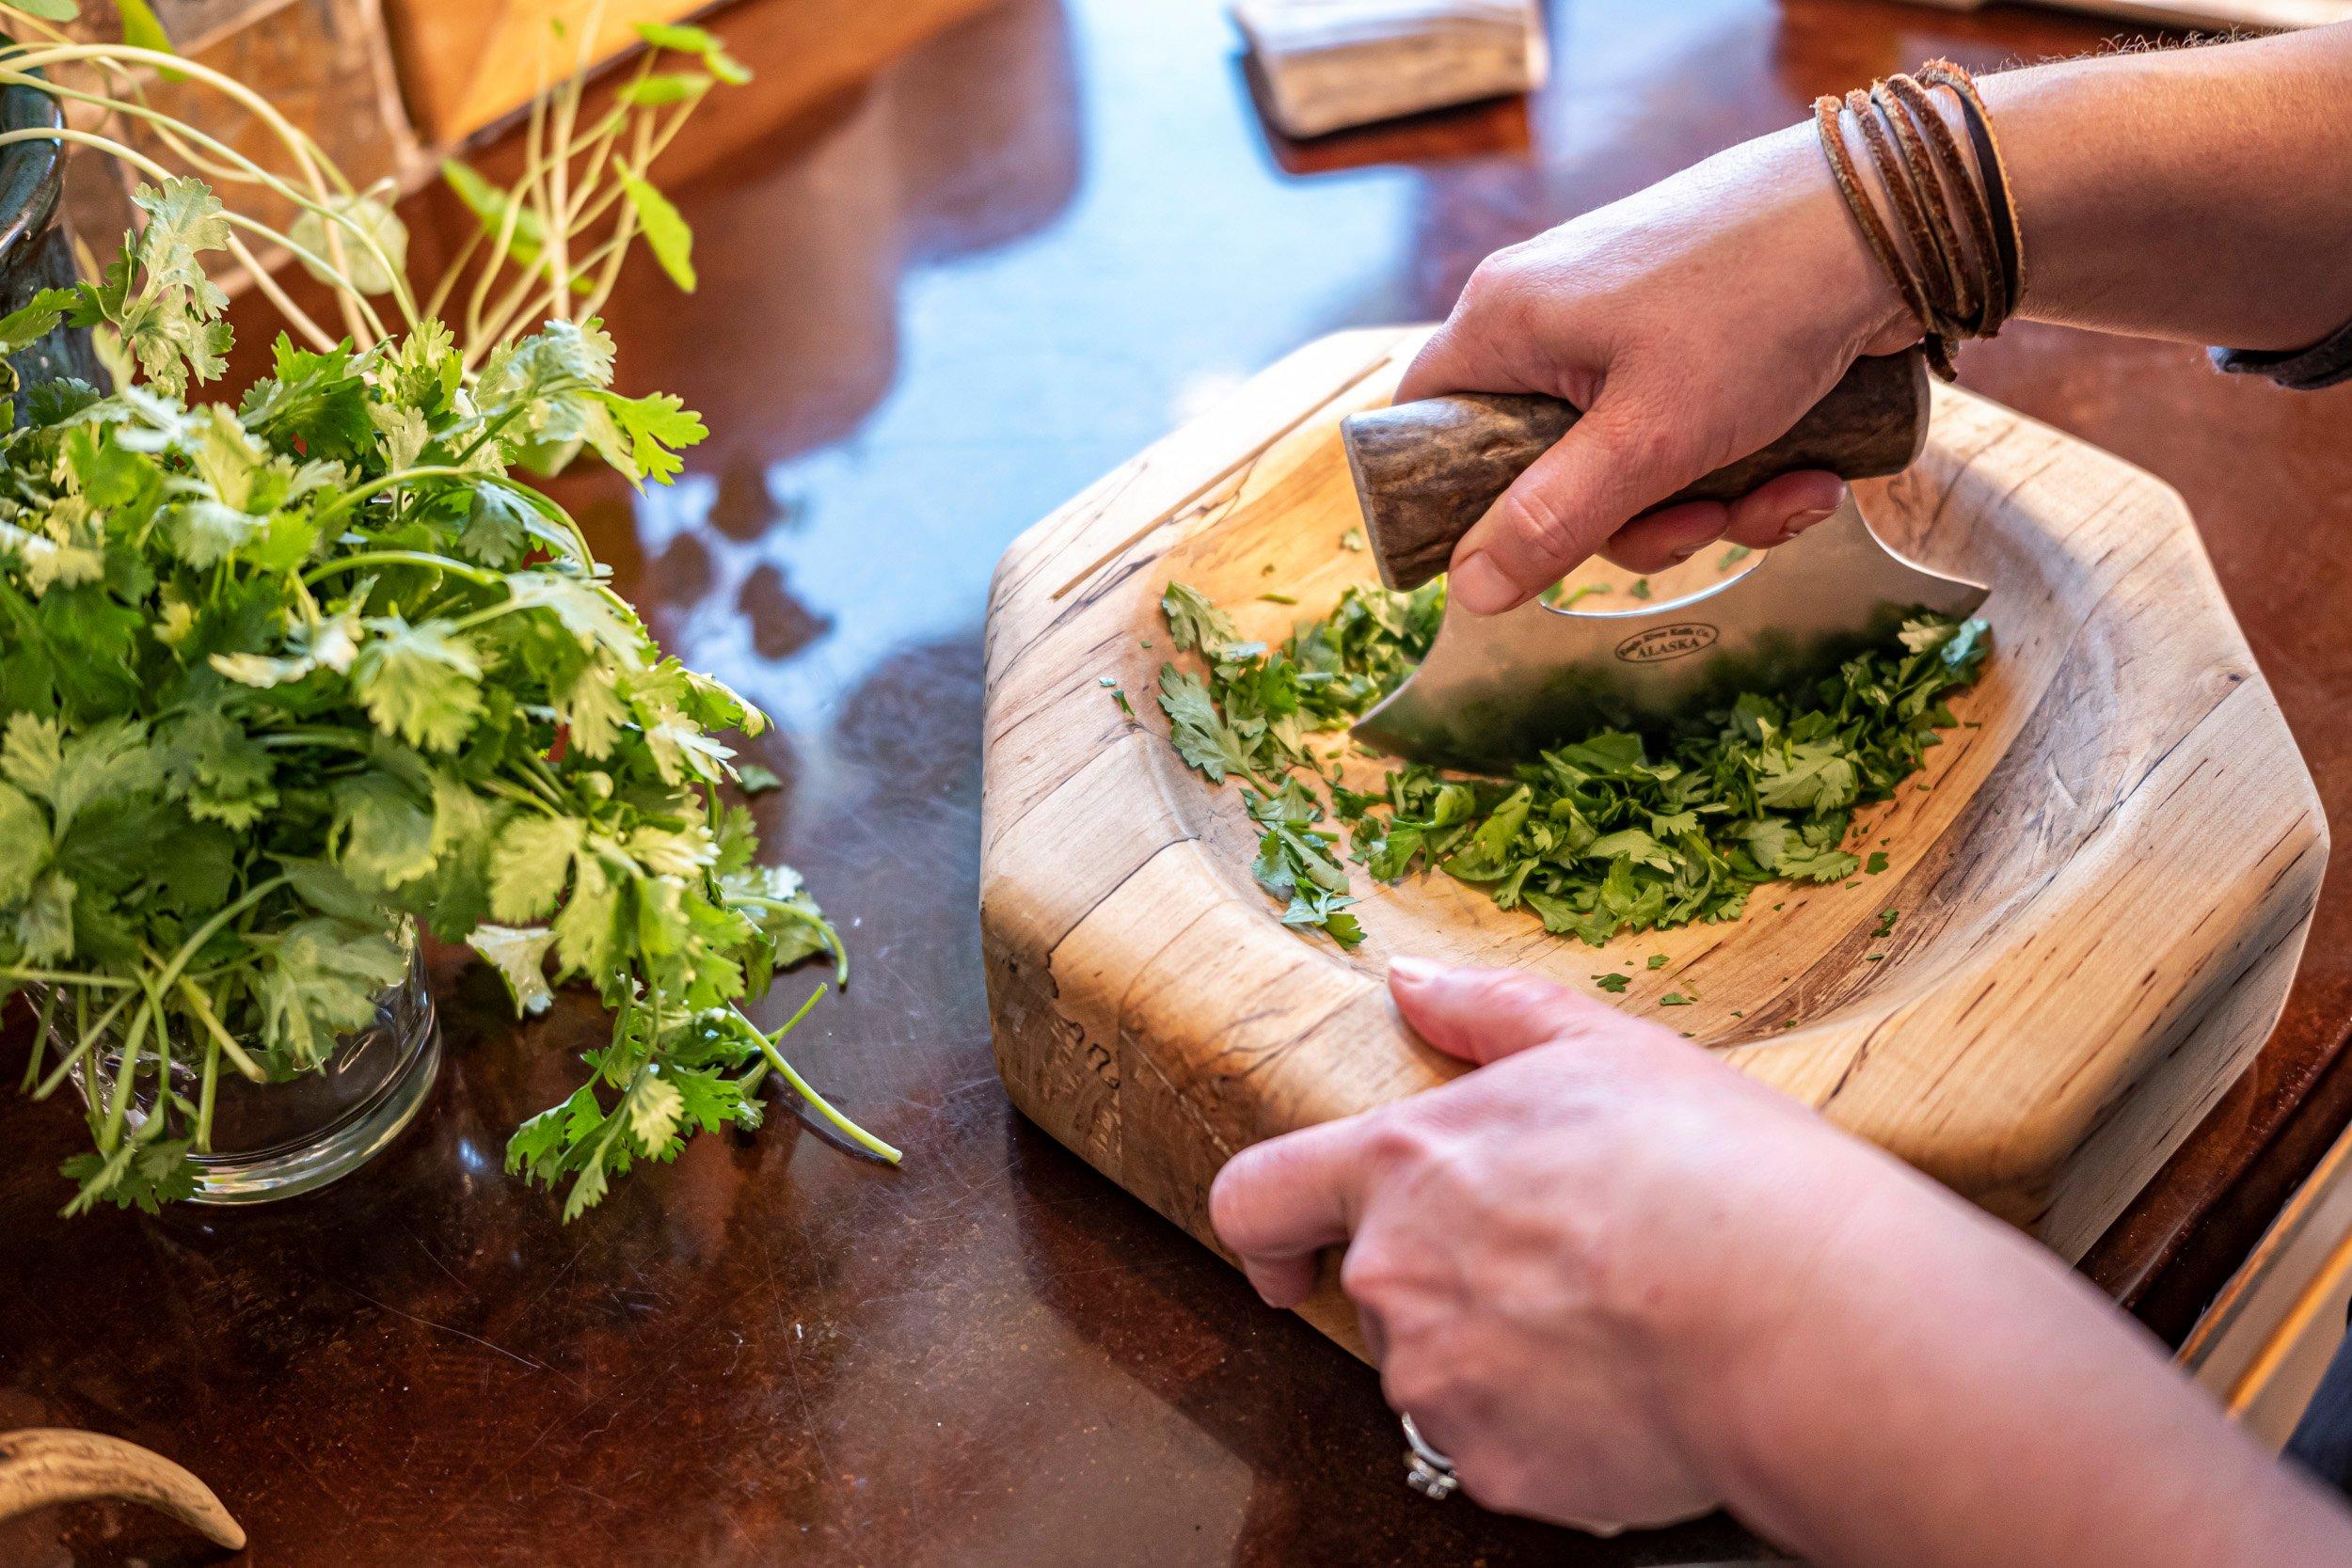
(931, 308)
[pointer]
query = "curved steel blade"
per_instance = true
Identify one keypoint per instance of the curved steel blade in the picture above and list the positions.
(1497, 688)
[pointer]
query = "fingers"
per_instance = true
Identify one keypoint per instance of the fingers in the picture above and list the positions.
(1277, 1204)
(1482, 1015)
(1485, 344)
(1779, 509)
(1443, 365)
(1772, 513)
(1618, 460)
(1668, 536)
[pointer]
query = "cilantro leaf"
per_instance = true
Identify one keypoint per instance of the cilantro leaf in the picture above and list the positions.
(1200, 735)
(155, 298)
(420, 683)
(1193, 621)
(666, 232)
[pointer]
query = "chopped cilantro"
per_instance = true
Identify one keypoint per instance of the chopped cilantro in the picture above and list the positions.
(1352, 540)
(1610, 983)
(1887, 922)
(1604, 834)
(1732, 557)
(1675, 999)
(1657, 960)
(1876, 864)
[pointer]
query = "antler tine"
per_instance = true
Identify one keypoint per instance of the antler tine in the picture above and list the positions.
(40, 1466)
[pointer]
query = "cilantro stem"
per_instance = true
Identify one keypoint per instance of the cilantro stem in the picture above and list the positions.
(159, 1119)
(824, 928)
(85, 1033)
(202, 1011)
(536, 771)
(482, 575)
(521, 795)
(126, 1073)
(488, 613)
(112, 1134)
(801, 1086)
(349, 740)
(40, 1038)
(205, 1097)
(489, 429)
(251, 897)
(68, 978)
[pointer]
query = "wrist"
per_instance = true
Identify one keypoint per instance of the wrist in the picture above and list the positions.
(1820, 1383)
(1867, 309)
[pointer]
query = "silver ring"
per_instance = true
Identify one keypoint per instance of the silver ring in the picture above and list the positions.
(1427, 1471)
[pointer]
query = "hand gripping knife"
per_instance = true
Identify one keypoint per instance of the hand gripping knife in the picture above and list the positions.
(1497, 688)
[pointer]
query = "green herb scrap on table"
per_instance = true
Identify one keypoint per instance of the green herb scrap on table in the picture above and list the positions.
(280, 675)
(1604, 834)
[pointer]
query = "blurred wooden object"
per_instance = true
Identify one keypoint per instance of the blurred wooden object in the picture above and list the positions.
(2264, 1345)
(2261, 15)
(465, 65)
(41, 1466)
(325, 65)
(1326, 64)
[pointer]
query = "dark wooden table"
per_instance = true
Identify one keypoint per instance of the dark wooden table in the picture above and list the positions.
(931, 310)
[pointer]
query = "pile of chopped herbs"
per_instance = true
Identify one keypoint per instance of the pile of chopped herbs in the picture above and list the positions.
(1603, 833)
(277, 677)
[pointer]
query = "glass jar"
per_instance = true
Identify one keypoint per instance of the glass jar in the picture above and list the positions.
(293, 1136)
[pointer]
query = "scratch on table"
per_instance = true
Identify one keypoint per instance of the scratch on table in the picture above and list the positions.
(432, 1257)
(451, 1328)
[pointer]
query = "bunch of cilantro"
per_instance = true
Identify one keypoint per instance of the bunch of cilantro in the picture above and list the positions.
(278, 678)
(1603, 833)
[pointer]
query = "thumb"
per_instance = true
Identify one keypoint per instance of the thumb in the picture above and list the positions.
(1620, 459)
(1482, 1015)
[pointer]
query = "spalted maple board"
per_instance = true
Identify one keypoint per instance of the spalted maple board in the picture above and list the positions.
(2104, 888)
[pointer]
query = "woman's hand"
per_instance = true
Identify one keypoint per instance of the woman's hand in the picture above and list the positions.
(1619, 1283)
(1559, 1259)
(1693, 323)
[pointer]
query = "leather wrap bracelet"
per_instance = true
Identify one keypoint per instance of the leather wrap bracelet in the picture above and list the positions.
(1953, 253)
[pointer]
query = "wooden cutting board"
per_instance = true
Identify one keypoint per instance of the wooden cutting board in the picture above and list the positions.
(2103, 890)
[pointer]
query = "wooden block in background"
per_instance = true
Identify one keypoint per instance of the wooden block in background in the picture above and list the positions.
(1326, 65)
(2261, 15)
(465, 65)
(324, 64)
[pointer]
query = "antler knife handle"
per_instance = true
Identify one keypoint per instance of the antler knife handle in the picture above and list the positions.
(1425, 471)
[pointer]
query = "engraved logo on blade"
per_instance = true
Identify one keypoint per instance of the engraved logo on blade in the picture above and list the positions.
(1660, 643)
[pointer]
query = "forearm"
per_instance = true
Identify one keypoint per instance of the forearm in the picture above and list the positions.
(2199, 194)
(1960, 1400)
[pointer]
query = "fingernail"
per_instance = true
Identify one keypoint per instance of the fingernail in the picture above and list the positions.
(1802, 520)
(1685, 553)
(1479, 586)
(1413, 972)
